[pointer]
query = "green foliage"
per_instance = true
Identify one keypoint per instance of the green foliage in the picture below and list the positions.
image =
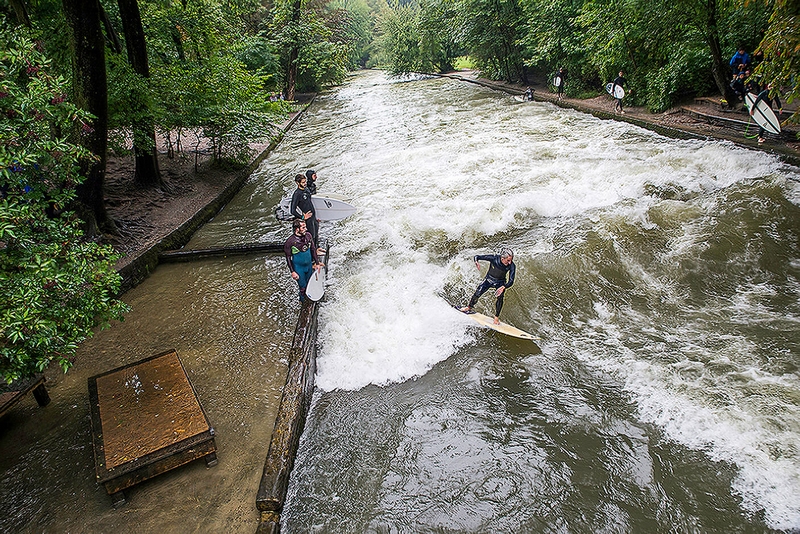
(55, 287)
(781, 47)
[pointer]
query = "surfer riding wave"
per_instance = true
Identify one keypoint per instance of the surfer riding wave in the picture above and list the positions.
(500, 277)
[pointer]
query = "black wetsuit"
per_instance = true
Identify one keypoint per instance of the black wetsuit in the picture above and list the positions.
(301, 204)
(618, 101)
(495, 278)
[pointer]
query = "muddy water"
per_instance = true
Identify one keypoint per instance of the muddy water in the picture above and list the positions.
(231, 322)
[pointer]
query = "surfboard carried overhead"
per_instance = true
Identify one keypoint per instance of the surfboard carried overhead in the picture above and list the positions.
(763, 115)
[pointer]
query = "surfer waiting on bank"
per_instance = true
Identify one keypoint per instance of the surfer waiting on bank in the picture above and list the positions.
(301, 255)
(501, 266)
(619, 81)
(763, 96)
(302, 208)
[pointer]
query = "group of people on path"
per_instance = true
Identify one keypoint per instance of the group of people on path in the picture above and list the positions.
(302, 254)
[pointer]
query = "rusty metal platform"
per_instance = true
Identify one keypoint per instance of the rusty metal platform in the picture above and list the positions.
(146, 420)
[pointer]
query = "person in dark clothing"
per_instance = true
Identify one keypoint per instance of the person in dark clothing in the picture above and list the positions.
(302, 208)
(738, 86)
(502, 271)
(311, 181)
(763, 96)
(528, 94)
(618, 81)
(561, 75)
(301, 256)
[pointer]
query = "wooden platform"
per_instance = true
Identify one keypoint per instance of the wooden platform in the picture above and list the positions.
(146, 420)
(11, 394)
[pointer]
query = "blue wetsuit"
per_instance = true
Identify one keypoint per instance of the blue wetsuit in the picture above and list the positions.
(301, 255)
(495, 278)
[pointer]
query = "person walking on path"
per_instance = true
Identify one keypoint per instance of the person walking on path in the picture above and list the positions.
(500, 276)
(301, 256)
(763, 96)
(618, 81)
(561, 76)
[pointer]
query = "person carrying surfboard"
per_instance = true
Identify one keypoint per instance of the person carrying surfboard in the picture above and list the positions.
(561, 76)
(763, 96)
(618, 81)
(302, 208)
(301, 255)
(500, 277)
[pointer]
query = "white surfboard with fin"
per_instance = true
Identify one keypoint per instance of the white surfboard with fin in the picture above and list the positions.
(763, 115)
(615, 90)
(316, 285)
(329, 207)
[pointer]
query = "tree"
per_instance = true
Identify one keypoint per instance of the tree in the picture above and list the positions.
(781, 48)
(147, 172)
(91, 94)
(55, 285)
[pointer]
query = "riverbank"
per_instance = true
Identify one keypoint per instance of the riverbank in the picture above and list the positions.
(699, 118)
(150, 221)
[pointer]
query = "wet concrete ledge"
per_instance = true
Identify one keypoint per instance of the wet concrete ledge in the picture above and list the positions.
(676, 133)
(140, 267)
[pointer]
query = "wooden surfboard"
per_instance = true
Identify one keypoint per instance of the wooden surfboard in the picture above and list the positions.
(504, 328)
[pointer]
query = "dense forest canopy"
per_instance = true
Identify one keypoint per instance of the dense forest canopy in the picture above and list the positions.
(82, 78)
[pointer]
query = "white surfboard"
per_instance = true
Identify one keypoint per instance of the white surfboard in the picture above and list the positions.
(615, 90)
(763, 115)
(503, 328)
(519, 98)
(557, 81)
(283, 213)
(316, 285)
(331, 209)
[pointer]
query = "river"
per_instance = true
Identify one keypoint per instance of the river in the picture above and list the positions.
(661, 275)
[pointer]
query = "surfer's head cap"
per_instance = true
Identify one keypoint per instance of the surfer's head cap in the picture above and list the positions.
(310, 173)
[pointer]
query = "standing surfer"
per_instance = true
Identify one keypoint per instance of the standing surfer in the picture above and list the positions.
(500, 276)
(763, 96)
(301, 255)
(311, 181)
(561, 76)
(618, 81)
(302, 208)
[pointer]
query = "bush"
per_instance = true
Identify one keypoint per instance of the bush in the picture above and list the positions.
(55, 286)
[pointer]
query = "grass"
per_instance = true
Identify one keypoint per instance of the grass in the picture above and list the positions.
(463, 63)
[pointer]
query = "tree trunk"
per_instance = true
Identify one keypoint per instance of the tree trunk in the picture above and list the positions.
(91, 93)
(21, 10)
(147, 172)
(294, 52)
(719, 68)
(111, 33)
